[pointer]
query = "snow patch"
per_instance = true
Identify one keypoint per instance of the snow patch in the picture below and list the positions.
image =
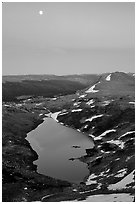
(82, 96)
(55, 115)
(106, 103)
(18, 105)
(90, 181)
(75, 190)
(126, 134)
(7, 105)
(63, 113)
(123, 183)
(117, 142)
(91, 89)
(121, 173)
(47, 196)
(90, 102)
(48, 114)
(104, 133)
(107, 131)
(76, 110)
(76, 103)
(128, 158)
(108, 78)
(53, 99)
(119, 197)
(38, 104)
(94, 117)
(82, 192)
(107, 170)
(40, 114)
(117, 159)
(99, 186)
(91, 135)
(132, 102)
(85, 126)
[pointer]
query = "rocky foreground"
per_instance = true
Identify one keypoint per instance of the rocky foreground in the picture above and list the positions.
(106, 112)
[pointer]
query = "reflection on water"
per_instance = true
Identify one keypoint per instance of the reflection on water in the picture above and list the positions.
(54, 145)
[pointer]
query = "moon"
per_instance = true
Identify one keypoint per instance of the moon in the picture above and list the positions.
(40, 12)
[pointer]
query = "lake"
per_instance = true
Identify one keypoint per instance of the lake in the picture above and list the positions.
(54, 143)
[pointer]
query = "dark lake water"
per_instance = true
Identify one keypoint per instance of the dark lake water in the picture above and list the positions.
(54, 145)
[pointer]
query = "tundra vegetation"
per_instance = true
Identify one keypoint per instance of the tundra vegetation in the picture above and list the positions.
(102, 106)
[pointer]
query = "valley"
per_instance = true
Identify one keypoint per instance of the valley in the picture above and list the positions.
(102, 108)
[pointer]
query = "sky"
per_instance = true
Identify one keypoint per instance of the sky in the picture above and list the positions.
(68, 38)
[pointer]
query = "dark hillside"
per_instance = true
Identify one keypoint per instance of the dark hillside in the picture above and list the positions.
(46, 88)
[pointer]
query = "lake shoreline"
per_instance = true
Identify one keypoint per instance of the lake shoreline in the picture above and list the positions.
(28, 179)
(74, 136)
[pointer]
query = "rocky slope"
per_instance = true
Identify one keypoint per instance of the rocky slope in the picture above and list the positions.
(105, 111)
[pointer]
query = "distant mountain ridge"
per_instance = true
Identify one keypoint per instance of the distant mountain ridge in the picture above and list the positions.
(83, 78)
(52, 85)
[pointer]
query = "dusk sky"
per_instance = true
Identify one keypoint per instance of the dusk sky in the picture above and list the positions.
(68, 38)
